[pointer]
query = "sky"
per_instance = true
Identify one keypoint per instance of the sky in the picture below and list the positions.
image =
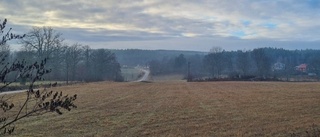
(195, 25)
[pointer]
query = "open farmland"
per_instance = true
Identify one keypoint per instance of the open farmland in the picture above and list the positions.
(182, 109)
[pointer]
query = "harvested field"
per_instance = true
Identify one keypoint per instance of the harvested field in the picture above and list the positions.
(183, 109)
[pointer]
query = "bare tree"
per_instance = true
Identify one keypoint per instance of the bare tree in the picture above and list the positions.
(43, 41)
(73, 56)
(216, 50)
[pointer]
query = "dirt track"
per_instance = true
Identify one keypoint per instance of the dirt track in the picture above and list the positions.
(145, 76)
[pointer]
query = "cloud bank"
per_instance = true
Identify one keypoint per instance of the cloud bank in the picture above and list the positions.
(179, 24)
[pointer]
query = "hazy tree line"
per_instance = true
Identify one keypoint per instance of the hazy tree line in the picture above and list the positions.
(261, 63)
(177, 65)
(133, 57)
(257, 63)
(68, 62)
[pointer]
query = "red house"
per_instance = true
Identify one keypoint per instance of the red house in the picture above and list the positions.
(302, 67)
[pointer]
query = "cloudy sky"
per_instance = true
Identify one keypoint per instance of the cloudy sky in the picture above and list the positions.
(173, 24)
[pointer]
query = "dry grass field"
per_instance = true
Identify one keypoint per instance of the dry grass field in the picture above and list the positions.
(182, 109)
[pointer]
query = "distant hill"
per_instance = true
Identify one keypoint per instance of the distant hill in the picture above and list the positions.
(133, 57)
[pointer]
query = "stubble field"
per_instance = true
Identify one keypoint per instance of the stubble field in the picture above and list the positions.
(182, 109)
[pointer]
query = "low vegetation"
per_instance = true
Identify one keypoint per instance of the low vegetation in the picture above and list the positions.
(183, 109)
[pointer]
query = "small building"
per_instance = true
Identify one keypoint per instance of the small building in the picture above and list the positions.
(278, 66)
(301, 68)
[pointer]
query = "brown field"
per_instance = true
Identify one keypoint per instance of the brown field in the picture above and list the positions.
(182, 109)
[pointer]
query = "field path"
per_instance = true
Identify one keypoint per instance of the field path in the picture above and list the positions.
(145, 76)
(12, 92)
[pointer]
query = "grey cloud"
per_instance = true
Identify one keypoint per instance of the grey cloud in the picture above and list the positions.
(153, 21)
(107, 36)
(205, 44)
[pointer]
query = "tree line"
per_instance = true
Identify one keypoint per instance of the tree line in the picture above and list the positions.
(68, 62)
(35, 102)
(261, 63)
(134, 57)
(177, 65)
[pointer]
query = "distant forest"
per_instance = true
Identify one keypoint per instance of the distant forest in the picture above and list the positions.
(134, 57)
(67, 62)
(77, 62)
(262, 63)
